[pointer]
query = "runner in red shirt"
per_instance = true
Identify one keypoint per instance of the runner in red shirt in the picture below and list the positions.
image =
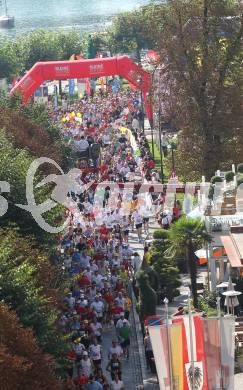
(119, 284)
(104, 233)
(83, 281)
(103, 168)
(116, 311)
(150, 164)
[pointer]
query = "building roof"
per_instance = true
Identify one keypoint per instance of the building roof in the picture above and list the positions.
(233, 244)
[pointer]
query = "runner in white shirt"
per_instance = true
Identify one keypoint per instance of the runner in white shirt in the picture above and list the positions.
(126, 251)
(121, 321)
(87, 208)
(115, 348)
(108, 220)
(135, 124)
(116, 384)
(86, 365)
(98, 279)
(136, 261)
(95, 352)
(78, 349)
(96, 328)
(138, 220)
(125, 224)
(145, 211)
(166, 220)
(99, 307)
(121, 300)
(117, 216)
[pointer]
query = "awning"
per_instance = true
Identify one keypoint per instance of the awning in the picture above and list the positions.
(231, 251)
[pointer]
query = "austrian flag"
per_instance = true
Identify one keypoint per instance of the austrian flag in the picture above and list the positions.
(194, 353)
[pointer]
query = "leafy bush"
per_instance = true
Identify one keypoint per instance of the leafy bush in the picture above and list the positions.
(211, 192)
(27, 280)
(164, 266)
(13, 169)
(208, 303)
(239, 180)
(229, 176)
(216, 179)
(240, 168)
(147, 296)
(161, 234)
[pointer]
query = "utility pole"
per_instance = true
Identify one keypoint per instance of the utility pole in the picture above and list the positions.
(152, 139)
(166, 302)
(140, 81)
(160, 148)
(192, 362)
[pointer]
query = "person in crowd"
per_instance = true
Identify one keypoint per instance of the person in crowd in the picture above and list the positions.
(138, 221)
(86, 364)
(149, 353)
(95, 351)
(114, 366)
(115, 349)
(117, 384)
(93, 384)
(124, 333)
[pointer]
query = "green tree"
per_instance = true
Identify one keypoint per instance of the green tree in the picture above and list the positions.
(164, 266)
(200, 77)
(186, 236)
(10, 63)
(70, 43)
(202, 45)
(44, 45)
(128, 34)
(91, 47)
(29, 286)
(147, 296)
(19, 55)
(14, 166)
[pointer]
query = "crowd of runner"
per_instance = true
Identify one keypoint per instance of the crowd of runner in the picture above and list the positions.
(104, 132)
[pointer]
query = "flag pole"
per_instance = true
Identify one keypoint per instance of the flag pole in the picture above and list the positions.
(166, 302)
(191, 340)
(220, 342)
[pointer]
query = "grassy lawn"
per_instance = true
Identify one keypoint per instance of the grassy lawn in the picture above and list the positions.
(157, 160)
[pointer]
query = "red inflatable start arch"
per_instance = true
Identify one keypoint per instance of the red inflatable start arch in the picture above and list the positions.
(98, 67)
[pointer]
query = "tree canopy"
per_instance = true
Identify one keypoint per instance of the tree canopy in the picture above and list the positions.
(199, 75)
(22, 363)
(19, 55)
(186, 236)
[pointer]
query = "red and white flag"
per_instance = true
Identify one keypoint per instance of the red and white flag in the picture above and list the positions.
(193, 353)
(159, 341)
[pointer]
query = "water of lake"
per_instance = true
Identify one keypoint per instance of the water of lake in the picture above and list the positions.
(83, 15)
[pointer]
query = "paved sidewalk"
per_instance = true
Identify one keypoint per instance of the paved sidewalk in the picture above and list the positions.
(148, 380)
(129, 371)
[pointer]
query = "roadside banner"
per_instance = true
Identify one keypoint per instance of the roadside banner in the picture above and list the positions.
(71, 85)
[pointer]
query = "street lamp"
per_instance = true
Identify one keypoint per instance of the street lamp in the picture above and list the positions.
(172, 146)
(149, 96)
(140, 81)
(160, 148)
